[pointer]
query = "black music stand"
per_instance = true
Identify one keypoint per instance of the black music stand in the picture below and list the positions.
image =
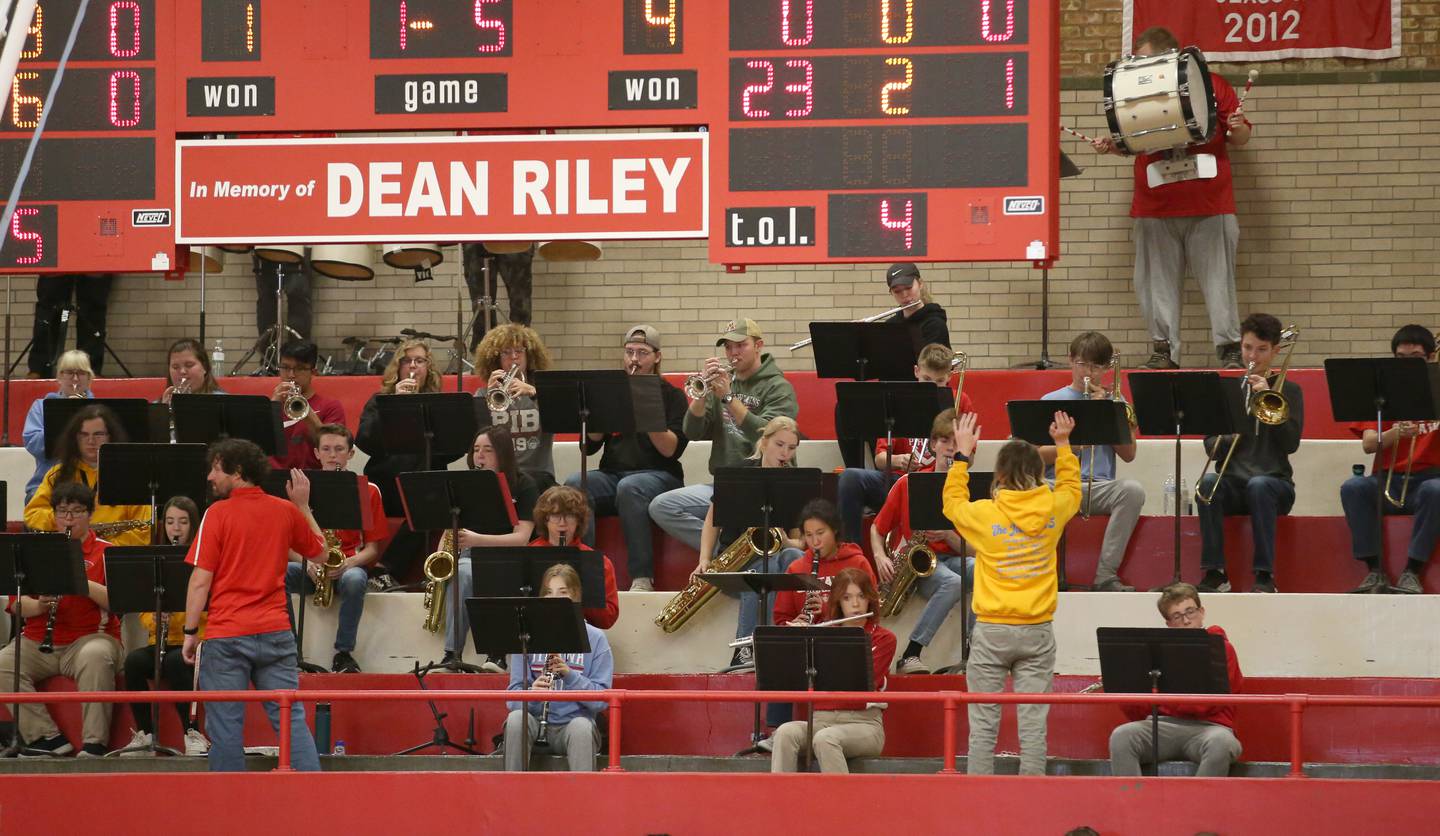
(335, 504)
(201, 419)
(864, 350)
(602, 401)
(38, 564)
(813, 659)
(927, 513)
(150, 474)
(1161, 660)
(516, 572)
(429, 424)
(1382, 388)
(893, 408)
(1179, 404)
(133, 414)
(449, 500)
(154, 578)
(526, 626)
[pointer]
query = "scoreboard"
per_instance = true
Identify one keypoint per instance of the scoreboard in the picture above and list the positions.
(840, 130)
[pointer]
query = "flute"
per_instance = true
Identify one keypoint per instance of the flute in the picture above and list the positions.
(748, 640)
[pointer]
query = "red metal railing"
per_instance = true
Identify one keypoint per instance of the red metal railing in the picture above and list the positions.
(615, 699)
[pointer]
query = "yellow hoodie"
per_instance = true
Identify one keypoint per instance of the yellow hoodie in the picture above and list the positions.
(1014, 536)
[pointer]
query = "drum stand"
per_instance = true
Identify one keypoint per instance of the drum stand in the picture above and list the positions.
(274, 337)
(68, 313)
(1067, 169)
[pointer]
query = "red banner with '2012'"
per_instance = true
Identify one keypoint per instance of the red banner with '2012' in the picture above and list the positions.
(1266, 30)
(471, 188)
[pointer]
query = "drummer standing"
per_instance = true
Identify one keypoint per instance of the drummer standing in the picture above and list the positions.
(1190, 223)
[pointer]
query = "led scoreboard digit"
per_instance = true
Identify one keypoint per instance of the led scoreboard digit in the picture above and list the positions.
(98, 194)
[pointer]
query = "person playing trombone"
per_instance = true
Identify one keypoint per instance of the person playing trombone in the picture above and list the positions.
(1253, 475)
(1411, 484)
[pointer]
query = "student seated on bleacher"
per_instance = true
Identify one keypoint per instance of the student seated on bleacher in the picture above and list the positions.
(1204, 734)
(1414, 477)
(73, 377)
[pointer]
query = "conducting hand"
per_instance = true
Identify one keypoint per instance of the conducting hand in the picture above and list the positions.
(298, 488)
(1061, 428)
(967, 434)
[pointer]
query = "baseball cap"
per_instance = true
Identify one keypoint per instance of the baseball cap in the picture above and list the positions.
(740, 328)
(902, 274)
(643, 333)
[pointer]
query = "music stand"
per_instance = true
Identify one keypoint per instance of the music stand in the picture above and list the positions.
(602, 401)
(133, 414)
(428, 424)
(201, 419)
(864, 350)
(154, 578)
(1382, 388)
(516, 572)
(813, 659)
(448, 500)
(1161, 660)
(150, 474)
(335, 504)
(524, 626)
(1179, 404)
(894, 408)
(927, 513)
(38, 564)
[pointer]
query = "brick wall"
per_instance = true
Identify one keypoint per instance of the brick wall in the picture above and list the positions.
(1339, 220)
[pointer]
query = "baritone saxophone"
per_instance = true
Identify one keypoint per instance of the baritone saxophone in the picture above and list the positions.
(439, 570)
(698, 593)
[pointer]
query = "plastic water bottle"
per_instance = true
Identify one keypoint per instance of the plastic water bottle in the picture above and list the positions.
(339, 748)
(217, 359)
(1170, 494)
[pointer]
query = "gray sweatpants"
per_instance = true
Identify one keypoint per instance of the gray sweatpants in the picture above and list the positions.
(1164, 249)
(1211, 745)
(1027, 653)
(1122, 499)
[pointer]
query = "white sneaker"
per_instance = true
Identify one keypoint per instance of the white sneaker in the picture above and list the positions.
(765, 744)
(642, 585)
(138, 739)
(196, 746)
(912, 665)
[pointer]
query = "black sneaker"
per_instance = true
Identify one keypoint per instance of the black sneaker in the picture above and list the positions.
(344, 663)
(1229, 355)
(381, 583)
(1160, 357)
(742, 656)
(47, 747)
(1375, 583)
(450, 656)
(1264, 582)
(1214, 581)
(92, 750)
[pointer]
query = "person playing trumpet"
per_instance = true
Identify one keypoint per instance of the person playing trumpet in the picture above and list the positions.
(297, 377)
(742, 393)
(506, 358)
(843, 730)
(1101, 492)
(189, 371)
(1257, 477)
(942, 589)
(1411, 484)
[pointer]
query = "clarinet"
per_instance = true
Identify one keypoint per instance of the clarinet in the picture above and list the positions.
(47, 645)
(808, 616)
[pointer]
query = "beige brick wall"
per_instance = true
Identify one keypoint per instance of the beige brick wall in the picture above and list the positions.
(1338, 207)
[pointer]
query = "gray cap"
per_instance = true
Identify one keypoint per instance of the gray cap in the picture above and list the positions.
(643, 333)
(902, 274)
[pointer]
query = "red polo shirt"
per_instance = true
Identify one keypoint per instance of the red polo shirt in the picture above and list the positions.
(246, 540)
(77, 615)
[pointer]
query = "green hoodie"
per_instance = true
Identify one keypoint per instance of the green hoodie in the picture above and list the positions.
(766, 394)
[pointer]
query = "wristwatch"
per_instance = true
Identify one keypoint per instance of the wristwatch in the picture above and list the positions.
(190, 631)
(727, 398)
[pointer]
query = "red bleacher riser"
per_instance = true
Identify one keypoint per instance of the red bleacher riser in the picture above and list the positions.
(989, 388)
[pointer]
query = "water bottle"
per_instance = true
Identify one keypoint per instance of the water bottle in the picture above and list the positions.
(217, 359)
(322, 726)
(339, 748)
(1170, 495)
(1187, 506)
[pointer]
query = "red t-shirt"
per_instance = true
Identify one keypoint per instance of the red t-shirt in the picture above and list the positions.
(352, 541)
(1427, 446)
(789, 604)
(1222, 714)
(246, 540)
(77, 615)
(603, 618)
(301, 450)
(894, 515)
(903, 445)
(1191, 198)
(882, 653)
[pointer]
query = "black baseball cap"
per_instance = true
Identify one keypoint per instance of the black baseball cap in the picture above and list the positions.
(902, 274)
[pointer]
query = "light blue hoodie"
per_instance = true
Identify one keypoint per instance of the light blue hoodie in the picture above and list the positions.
(593, 671)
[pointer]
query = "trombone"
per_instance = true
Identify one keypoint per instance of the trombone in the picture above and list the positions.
(1200, 495)
(905, 307)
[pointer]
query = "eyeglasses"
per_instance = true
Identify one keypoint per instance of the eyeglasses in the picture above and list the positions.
(71, 512)
(1183, 615)
(77, 373)
(415, 361)
(639, 353)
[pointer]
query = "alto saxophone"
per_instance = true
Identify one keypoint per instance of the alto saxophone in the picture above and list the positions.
(912, 560)
(698, 593)
(439, 570)
(334, 559)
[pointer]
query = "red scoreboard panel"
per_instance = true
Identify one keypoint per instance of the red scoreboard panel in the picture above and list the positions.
(102, 180)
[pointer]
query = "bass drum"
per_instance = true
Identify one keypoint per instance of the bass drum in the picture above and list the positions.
(1159, 102)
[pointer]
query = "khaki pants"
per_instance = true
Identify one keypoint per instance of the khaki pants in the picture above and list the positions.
(838, 735)
(1027, 653)
(92, 661)
(1211, 745)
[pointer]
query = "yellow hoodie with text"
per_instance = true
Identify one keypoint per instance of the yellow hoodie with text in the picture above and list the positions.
(1014, 536)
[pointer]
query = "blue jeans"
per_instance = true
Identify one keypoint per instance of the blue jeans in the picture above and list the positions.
(942, 594)
(749, 616)
(627, 494)
(859, 488)
(267, 661)
(1262, 497)
(457, 621)
(681, 512)
(349, 590)
(1358, 496)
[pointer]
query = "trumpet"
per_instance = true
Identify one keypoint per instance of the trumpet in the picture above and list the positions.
(905, 307)
(294, 405)
(696, 384)
(439, 570)
(497, 397)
